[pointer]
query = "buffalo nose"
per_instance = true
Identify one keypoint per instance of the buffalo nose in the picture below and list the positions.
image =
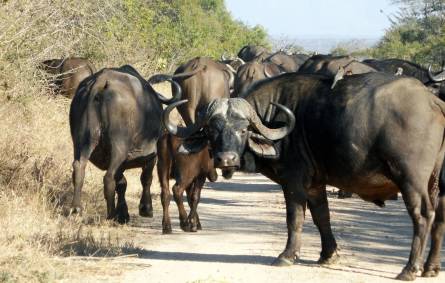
(227, 159)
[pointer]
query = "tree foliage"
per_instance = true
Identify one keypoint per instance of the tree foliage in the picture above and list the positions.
(417, 32)
(153, 35)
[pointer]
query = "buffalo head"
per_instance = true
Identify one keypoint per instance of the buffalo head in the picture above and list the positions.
(437, 82)
(230, 126)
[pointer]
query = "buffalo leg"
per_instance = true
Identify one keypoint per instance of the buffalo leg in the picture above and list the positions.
(146, 204)
(432, 265)
(178, 192)
(319, 208)
(421, 211)
(79, 165)
(122, 215)
(193, 197)
(295, 210)
(164, 169)
(118, 156)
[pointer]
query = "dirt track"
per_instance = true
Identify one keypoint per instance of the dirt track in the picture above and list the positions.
(244, 229)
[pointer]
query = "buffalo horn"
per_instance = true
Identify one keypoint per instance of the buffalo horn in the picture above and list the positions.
(436, 78)
(273, 134)
(240, 60)
(181, 132)
(266, 73)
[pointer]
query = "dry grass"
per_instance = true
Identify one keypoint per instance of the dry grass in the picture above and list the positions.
(35, 193)
(36, 148)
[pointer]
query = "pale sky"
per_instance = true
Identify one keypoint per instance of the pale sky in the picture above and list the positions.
(316, 18)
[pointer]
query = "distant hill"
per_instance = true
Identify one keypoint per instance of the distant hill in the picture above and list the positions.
(324, 44)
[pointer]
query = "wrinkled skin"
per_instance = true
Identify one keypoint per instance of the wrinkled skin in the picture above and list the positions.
(190, 172)
(252, 72)
(69, 73)
(115, 123)
(412, 70)
(374, 153)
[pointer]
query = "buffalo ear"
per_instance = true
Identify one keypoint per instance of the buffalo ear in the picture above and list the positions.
(263, 148)
(190, 146)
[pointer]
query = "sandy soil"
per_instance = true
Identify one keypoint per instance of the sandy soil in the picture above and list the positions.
(244, 229)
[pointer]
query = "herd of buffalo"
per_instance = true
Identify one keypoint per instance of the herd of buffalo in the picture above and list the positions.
(373, 127)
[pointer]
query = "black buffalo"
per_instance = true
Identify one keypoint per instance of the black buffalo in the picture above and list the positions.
(373, 135)
(253, 53)
(115, 123)
(329, 65)
(287, 62)
(434, 81)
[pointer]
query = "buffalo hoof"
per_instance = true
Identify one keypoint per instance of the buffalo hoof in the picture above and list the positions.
(199, 227)
(187, 227)
(122, 218)
(193, 228)
(75, 210)
(166, 230)
(193, 225)
(122, 215)
(146, 211)
(407, 275)
(431, 271)
(281, 261)
(332, 259)
(184, 226)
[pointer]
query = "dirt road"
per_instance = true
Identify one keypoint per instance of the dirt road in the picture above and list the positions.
(244, 229)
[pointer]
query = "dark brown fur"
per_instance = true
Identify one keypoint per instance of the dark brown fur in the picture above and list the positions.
(190, 172)
(69, 73)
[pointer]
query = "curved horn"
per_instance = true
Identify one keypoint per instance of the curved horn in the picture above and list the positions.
(273, 134)
(436, 78)
(176, 92)
(266, 73)
(223, 57)
(231, 69)
(181, 132)
(240, 60)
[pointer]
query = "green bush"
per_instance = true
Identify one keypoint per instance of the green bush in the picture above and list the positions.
(417, 33)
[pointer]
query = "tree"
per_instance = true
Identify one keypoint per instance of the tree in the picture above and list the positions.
(417, 32)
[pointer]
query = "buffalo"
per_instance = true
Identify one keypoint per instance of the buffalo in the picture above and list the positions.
(115, 123)
(68, 73)
(253, 53)
(373, 135)
(202, 80)
(434, 81)
(252, 72)
(287, 62)
(190, 172)
(330, 65)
